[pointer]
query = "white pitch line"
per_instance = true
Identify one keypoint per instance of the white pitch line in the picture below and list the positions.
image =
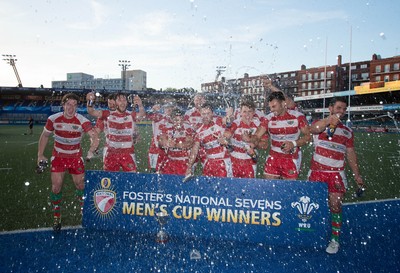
(37, 230)
(5, 169)
(32, 143)
(372, 201)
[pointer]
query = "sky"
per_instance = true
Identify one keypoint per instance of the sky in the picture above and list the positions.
(180, 43)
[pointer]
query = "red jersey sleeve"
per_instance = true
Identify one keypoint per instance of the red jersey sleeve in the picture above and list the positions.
(49, 125)
(87, 126)
(100, 124)
(302, 121)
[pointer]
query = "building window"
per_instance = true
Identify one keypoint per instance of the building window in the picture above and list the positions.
(396, 66)
(364, 66)
(353, 67)
(309, 85)
(309, 76)
(322, 75)
(378, 69)
(293, 75)
(316, 75)
(315, 85)
(378, 78)
(365, 76)
(387, 78)
(396, 77)
(387, 67)
(328, 83)
(303, 77)
(354, 76)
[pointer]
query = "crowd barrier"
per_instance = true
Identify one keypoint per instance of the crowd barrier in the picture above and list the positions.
(274, 212)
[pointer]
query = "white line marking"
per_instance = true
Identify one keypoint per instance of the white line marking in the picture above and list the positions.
(19, 231)
(371, 201)
(32, 143)
(5, 169)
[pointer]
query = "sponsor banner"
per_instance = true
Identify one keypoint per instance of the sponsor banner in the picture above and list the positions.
(367, 108)
(254, 210)
(377, 87)
(356, 108)
(326, 95)
(391, 107)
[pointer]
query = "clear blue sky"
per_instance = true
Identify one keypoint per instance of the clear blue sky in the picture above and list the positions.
(180, 43)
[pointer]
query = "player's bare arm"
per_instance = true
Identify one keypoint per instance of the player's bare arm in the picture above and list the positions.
(228, 118)
(90, 109)
(303, 140)
(353, 163)
(192, 157)
(43, 140)
(305, 136)
(163, 141)
(187, 143)
(142, 113)
(256, 137)
(320, 126)
(227, 134)
(262, 144)
(94, 139)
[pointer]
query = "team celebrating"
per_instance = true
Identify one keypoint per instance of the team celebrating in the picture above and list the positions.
(223, 146)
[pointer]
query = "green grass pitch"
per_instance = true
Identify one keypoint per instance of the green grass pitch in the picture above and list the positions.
(24, 194)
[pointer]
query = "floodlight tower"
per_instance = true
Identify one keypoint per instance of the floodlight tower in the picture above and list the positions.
(124, 65)
(220, 70)
(10, 59)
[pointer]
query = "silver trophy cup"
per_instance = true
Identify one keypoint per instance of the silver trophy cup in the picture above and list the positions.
(162, 219)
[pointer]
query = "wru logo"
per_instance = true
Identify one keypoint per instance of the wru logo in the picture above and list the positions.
(305, 207)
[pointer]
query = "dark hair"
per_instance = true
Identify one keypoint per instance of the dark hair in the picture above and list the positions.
(111, 96)
(176, 112)
(69, 96)
(248, 103)
(246, 97)
(336, 99)
(120, 94)
(207, 105)
(276, 96)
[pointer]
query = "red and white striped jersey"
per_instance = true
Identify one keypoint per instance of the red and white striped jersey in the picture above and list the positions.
(157, 121)
(119, 129)
(193, 117)
(330, 154)
(67, 134)
(207, 136)
(100, 122)
(238, 128)
(284, 128)
(178, 134)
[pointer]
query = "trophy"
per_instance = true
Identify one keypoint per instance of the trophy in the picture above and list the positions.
(162, 218)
